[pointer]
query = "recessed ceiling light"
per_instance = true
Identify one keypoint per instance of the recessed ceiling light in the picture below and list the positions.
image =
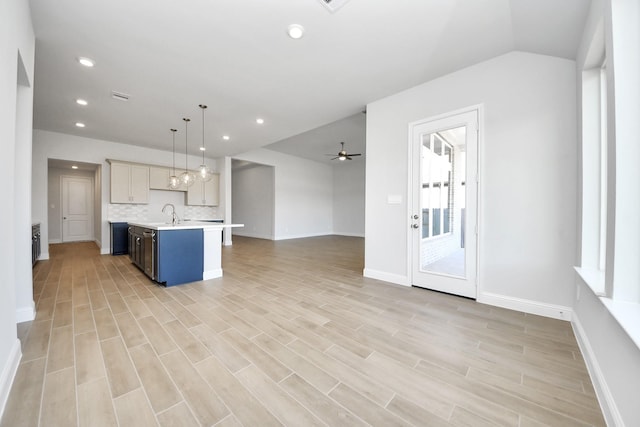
(295, 31)
(79, 124)
(74, 167)
(86, 62)
(81, 102)
(226, 137)
(259, 121)
(203, 149)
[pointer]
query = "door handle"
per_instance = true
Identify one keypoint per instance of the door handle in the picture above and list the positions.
(415, 226)
(416, 217)
(64, 217)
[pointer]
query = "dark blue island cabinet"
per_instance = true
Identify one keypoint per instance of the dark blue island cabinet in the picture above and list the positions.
(180, 256)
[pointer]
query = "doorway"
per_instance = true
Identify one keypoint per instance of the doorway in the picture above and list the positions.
(444, 170)
(77, 208)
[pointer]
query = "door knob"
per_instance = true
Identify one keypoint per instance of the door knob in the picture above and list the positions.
(415, 226)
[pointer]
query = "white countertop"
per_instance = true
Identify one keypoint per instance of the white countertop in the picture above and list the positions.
(186, 225)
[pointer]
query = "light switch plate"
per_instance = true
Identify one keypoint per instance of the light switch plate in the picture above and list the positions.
(394, 199)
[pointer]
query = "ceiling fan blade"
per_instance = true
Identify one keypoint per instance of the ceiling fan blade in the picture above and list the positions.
(349, 157)
(355, 154)
(329, 154)
(334, 158)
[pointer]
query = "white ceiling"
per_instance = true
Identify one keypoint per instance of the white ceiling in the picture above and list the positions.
(235, 56)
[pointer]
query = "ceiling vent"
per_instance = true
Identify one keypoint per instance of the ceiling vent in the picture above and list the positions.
(120, 96)
(333, 5)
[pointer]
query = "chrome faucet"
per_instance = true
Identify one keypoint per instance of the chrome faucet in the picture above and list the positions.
(174, 217)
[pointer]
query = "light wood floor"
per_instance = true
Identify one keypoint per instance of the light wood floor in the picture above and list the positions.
(292, 335)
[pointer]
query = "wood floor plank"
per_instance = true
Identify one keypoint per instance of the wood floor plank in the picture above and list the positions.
(105, 324)
(220, 348)
(203, 401)
(157, 336)
(291, 335)
(189, 344)
(269, 365)
(23, 406)
(133, 410)
(37, 343)
(95, 408)
(63, 315)
(178, 416)
(120, 371)
(301, 366)
(61, 349)
(280, 403)
(319, 404)
(159, 387)
(364, 408)
(244, 405)
(59, 399)
(83, 319)
(88, 357)
(129, 330)
(355, 379)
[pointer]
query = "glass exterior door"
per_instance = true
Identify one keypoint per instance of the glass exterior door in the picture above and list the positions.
(444, 204)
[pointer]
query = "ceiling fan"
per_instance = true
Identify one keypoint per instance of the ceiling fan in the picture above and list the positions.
(342, 154)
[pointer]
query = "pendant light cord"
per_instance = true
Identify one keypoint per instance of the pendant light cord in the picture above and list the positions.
(173, 131)
(186, 139)
(202, 106)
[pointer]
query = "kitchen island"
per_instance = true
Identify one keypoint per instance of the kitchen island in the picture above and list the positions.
(175, 254)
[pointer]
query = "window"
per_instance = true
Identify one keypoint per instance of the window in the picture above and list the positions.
(594, 174)
(437, 188)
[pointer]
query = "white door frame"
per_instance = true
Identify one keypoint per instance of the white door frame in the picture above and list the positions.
(91, 206)
(479, 108)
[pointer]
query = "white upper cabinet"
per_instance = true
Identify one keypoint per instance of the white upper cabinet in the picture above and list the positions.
(159, 178)
(204, 193)
(129, 183)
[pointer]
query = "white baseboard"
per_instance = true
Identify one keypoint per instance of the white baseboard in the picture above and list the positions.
(300, 236)
(26, 314)
(336, 233)
(606, 400)
(527, 306)
(9, 373)
(54, 241)
(43, 256)
(105, 251)
(252, 235)
(386, 277)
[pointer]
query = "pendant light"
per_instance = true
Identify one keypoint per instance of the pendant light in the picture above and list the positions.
(187, 177)
(174, 181)
(204, 173)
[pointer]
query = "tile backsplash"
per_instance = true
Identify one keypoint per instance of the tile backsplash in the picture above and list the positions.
(152, 212)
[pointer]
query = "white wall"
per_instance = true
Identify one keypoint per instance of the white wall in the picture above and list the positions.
(303, 194)
(16, 105)
(612, 356)
(253, 200)
(348, 198)
(54, 195)
(52, 145)
(527, 177)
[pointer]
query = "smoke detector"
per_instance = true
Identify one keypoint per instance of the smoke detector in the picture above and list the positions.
(333, 5)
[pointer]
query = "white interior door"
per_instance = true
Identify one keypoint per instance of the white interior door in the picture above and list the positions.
(77, 209)
(444, 203)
